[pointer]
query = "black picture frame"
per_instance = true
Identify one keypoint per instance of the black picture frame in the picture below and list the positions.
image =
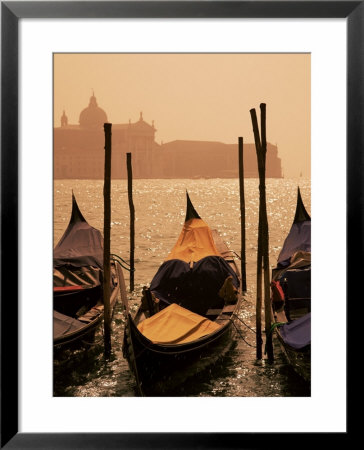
(11, 12)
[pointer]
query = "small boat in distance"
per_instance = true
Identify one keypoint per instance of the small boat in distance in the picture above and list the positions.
(77, 283)
(291, 293)
(186, 319)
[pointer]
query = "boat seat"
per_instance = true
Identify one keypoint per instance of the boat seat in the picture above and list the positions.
(227, 310)
(72, 302)
(213, 312)
(91, 314)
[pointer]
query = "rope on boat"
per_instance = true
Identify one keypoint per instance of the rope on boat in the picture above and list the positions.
(237, 329)
(275, 325)
(238, 256)
(119, 257)
(251, 329)
(233, 252)
(272, 328)
(120, 261)
(244, 323)
(92, 344)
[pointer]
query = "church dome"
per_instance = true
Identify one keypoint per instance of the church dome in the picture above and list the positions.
(92, 116)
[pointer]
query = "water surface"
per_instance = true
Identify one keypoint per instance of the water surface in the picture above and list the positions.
(160, 210)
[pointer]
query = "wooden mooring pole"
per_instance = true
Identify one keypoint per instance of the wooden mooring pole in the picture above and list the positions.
(267, 300)
(132, 219)
(242, 214)
(107, 220)
(258, 307)
(263, 235)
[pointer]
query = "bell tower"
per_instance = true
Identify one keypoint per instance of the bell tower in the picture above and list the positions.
(64, 120)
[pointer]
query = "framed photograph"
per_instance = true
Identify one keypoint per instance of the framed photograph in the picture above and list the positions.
(37, 39)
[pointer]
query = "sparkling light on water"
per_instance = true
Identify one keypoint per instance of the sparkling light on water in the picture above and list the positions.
(160, 209)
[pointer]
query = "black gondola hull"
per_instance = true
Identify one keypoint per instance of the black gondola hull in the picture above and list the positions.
(78, 303)
(200, 277)
(299, 360)
(77, 339)
(162, 369)
(295, 277)
(84, 335)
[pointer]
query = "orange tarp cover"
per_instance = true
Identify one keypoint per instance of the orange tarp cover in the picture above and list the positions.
(194, 242)
(176, 325)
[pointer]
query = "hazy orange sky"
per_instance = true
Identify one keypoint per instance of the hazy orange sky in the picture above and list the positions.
(196, 96)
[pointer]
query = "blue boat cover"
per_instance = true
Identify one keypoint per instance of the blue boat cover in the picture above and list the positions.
(297, 334)
(193, 288)
(299, 238)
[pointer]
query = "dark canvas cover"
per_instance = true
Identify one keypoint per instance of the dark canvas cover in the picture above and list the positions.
(193, 288)
(81, 245)
(194, 271)
(298, 282)
(297, 334)
(64, 325)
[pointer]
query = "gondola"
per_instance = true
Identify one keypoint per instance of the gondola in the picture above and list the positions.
(78, 283)
(186, 319)
(291, 293)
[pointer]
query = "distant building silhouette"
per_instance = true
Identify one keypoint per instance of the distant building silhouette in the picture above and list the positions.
(79, 152)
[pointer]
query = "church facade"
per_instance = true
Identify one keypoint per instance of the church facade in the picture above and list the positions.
(78, 152)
